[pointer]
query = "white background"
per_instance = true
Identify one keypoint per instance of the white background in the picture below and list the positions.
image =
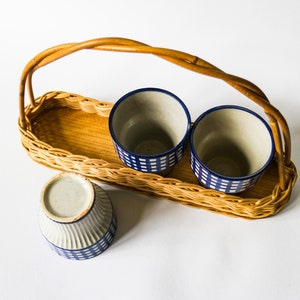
(162, 250)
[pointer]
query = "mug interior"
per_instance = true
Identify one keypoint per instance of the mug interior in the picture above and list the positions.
(149, 122)
(67, 197)
(232, 142)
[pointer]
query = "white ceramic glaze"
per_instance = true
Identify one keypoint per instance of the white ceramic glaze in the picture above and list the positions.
(230, 148)
(67, 197)
(150, 128)
(149, 119)
(232, 142)
(74, 212)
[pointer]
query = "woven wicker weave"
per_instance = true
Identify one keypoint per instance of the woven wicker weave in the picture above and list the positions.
(69, 132)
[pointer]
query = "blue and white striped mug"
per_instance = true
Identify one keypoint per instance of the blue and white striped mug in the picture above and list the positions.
(230, 146)
(76, 217)
(150, 128)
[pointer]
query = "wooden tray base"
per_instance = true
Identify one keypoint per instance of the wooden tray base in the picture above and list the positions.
(87, 134)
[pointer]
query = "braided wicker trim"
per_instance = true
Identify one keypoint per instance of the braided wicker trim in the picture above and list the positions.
(168, 188)
(115, 173)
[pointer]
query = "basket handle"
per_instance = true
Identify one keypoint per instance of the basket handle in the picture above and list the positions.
(277, 122)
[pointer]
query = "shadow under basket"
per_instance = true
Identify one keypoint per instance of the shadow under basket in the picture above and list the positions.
(69, 132)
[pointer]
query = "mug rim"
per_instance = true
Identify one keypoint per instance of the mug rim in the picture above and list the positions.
(237, 107)
(150, 89)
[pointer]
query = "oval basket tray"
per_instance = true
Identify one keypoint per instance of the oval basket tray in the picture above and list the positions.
(69, 132)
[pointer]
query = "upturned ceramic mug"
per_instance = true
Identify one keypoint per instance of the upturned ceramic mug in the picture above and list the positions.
(150, 128)
(231, 146)
(76, 217)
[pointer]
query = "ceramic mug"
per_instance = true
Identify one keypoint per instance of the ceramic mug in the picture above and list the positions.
(76, 217)
(230, 146)
(150, 128)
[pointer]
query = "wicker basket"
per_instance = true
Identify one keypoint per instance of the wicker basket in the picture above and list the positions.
(69, 132)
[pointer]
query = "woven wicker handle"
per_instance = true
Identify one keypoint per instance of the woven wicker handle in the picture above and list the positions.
(277, 122)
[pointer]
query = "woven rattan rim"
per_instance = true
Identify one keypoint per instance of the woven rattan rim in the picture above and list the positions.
(185, 193)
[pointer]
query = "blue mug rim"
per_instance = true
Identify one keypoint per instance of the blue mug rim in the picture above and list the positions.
(237, 178)
(65, 252)
(151, 89)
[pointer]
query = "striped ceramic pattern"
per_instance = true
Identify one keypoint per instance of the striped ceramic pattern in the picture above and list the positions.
(226, 185)
(91, 251)
(150, 163)
(83, 233)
